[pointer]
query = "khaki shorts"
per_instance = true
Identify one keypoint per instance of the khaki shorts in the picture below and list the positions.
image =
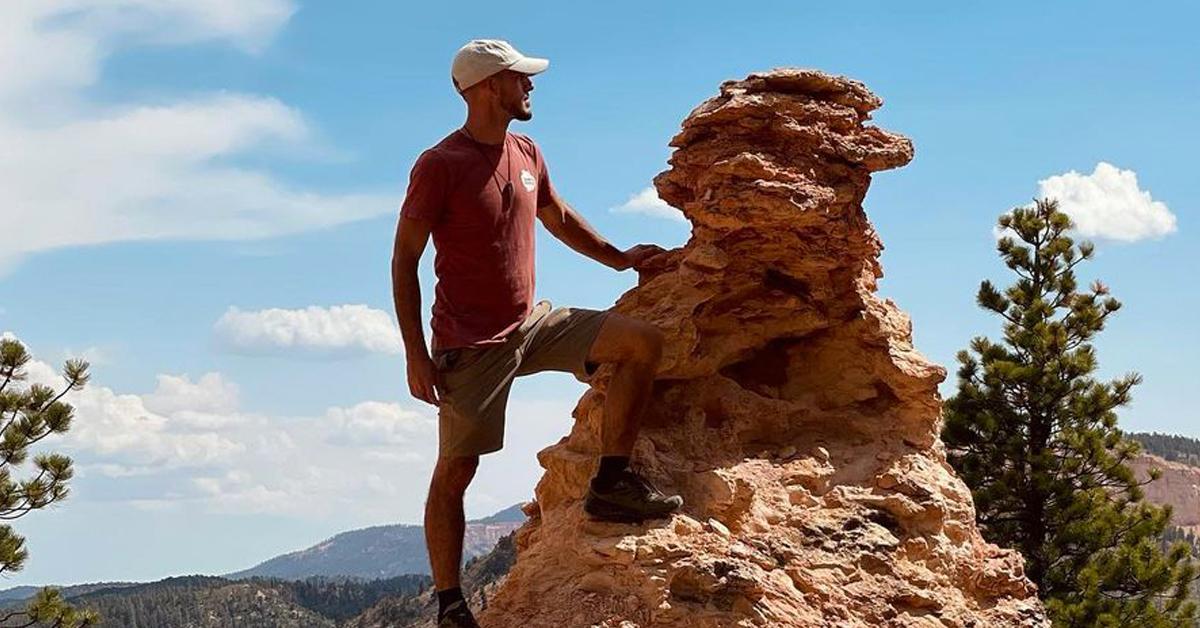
(476, 381)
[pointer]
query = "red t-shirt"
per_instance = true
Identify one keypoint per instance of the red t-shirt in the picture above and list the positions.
(485, 257)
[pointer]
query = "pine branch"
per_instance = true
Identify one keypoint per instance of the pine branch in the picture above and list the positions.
(15, 413)
(29, 503)
(28, 443)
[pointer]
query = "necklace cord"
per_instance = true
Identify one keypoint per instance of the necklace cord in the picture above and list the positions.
(507, 166)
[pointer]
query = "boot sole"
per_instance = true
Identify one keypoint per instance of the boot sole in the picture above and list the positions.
(607, 512)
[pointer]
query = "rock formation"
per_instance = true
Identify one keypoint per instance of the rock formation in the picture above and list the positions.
(791, 409)
(1178, 487)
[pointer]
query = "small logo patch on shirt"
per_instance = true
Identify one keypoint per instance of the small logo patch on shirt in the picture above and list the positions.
(527, 180)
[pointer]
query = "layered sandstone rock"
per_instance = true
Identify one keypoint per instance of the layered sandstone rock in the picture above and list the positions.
(1177, 487)
(791, 410)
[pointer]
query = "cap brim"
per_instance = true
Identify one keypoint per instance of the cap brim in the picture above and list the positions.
(530, 65)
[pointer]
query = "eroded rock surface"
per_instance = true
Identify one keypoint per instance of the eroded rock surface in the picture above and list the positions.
(1178, 487)
(791, 410)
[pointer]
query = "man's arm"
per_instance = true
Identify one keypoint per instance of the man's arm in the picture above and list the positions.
(412, 234)
(567, 225)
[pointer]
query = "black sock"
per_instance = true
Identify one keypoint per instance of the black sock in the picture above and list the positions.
(610, 470)
(446, 598)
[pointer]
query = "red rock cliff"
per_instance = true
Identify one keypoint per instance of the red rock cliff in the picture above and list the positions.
(1178, 487)
(792, 411)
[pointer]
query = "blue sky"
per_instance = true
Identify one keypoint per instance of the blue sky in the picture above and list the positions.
(166, 162)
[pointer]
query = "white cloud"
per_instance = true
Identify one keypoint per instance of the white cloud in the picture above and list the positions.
(188, 444)
(368, 461)
(339, 330)
(92, 355)
(393, 456)
(211, 393)
(113, 470)
(648, 202)
(51, 46)
(73, 172)
(1108, 204)
(121, 429)
(374, 422)
(154, 505)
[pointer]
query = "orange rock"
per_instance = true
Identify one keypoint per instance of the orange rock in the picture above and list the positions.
(776, 342)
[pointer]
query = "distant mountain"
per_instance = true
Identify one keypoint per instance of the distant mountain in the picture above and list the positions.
(381, 551)
(512, 514)
(212, 602)
(312, 602)
(1169, 446)
(17, 594)
(480, 577)
(1177, 458)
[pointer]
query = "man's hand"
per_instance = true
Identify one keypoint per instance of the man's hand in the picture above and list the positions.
(637, 255)
(423, 378)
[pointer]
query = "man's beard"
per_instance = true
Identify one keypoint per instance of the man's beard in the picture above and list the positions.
(520, 113)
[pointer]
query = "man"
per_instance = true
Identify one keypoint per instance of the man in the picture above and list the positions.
(477, 192)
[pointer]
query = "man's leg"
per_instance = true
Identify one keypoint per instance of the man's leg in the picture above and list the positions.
(444, 519)
(616, 493)
(636, 347)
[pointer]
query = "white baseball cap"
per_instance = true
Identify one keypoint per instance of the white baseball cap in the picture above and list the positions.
(481, 58)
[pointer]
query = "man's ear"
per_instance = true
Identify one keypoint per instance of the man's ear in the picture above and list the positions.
(491, 83)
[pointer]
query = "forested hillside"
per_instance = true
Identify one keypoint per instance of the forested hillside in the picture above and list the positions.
(211, 602)
(480, 577)
(1169, 446)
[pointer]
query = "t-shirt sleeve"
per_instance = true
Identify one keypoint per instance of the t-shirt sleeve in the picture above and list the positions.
(545, 189)
(427, 189)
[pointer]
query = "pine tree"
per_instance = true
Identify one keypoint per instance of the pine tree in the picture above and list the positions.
(29, 414)
(1036, 439)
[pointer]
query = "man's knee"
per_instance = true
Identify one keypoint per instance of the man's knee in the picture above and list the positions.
(650, 343)
(625, 339)
(452, 474)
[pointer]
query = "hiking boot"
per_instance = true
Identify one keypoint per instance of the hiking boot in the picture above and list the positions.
(631, 499)
(458, 615)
